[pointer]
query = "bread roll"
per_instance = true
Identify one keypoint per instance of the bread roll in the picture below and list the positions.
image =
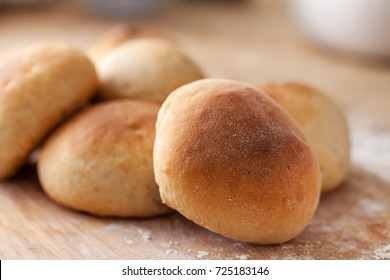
(144, 69)
(122, 33)
(100, 161)
(38, 87)
(324, 125)
(230, 159)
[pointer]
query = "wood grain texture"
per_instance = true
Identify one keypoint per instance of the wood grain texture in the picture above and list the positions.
(255, 43)
(351, 223)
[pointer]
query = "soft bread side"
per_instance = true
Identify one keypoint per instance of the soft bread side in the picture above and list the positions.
(38, 87)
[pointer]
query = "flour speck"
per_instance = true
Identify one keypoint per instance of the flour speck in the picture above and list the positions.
(202, 254)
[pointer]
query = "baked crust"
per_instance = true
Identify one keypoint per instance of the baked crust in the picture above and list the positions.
(100, 161)
(324, 125)
(230, 159)
(38, 87)
(146, 69)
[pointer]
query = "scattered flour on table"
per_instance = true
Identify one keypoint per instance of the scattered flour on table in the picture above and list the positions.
(125, 230)
(371, 206)
(369, 149)
(172, 252)
(169, 244)
(113, 227)
(241, 257)
(202, 254)
(145, 234)
(9, 201)
(238, 244)
(382, 253)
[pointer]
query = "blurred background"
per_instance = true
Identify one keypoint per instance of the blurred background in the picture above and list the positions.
(340, 47)
(359, 27)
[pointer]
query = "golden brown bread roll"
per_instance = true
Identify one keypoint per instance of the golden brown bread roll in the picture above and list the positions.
(324, 125)
(227, 157)
(38, 87)
(100, 161)
(122, 33)
(144, 69)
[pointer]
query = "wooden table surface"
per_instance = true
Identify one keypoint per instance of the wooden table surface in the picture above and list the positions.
(256, 43)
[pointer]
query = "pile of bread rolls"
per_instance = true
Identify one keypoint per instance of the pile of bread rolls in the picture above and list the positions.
(133, 129)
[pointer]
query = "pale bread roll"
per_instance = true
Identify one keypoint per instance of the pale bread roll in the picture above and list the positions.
(121, 33)
(100, 161)
(227, 157)
(38, 87)
(324, 125)
(146, 69)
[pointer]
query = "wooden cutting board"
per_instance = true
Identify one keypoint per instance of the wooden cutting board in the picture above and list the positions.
(253, 43)
(351, 223)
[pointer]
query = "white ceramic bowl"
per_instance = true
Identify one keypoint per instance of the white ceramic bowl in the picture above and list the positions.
(354, 26)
